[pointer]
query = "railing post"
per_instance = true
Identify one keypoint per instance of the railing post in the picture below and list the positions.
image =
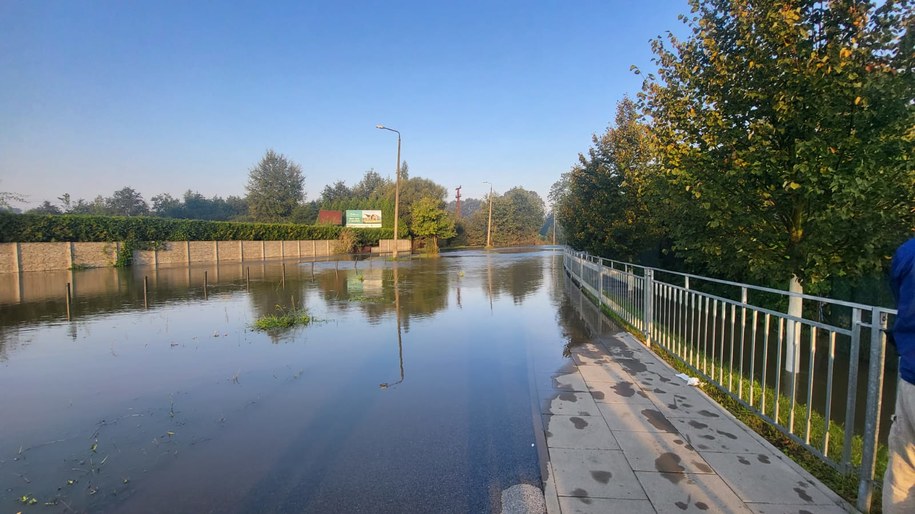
(649, 304)
(872, 409)
(854, 353)
(600, 284)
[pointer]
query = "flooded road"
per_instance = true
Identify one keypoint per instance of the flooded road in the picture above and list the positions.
(414, 389)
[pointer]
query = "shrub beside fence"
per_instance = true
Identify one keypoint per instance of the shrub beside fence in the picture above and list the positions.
(39, 228)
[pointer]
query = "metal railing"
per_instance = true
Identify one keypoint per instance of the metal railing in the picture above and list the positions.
(800, 374)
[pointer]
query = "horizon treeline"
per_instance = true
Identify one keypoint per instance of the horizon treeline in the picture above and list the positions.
(276, 194)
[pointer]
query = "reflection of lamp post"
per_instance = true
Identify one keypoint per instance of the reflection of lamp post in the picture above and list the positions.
(386, 385)
(489, 225)
(396, 186)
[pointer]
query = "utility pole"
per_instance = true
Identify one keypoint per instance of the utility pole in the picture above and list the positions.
(489, 225)
(457, 209)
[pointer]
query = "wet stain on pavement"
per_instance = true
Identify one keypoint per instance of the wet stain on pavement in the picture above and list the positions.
(708, 414)
(696, 424)
(702, 467)
(568, 397)
(802, 494)
(669, 463)
(602, 476)
(624, 389)
(598, 395)
(579, 492)
(707, 437)
(701, 506)
(632, 365)
(658, 420)
(579, 423)
(643, 395)
(727, 434)
(743, 460)
(764, 459)
(659, 390)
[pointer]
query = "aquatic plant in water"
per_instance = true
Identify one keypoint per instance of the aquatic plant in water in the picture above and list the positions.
(284, 319)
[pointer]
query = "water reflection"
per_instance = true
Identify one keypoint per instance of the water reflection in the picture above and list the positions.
(183, 404)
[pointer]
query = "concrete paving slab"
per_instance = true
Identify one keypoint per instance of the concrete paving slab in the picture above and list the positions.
(572, 505)
(755, 476)
(636, 417)
(582, 432)
(594, 474)
(661, 424)
(761, 508)
(603, 373)
(677, 492)
(660, 451)
(682, 403)
(717, 435)
(569, 404)
(623, 391)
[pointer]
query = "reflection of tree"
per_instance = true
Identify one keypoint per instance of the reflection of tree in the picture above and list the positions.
(423, 286)
(520, 279)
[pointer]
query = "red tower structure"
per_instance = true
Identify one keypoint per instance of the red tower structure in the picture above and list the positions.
(457, 208)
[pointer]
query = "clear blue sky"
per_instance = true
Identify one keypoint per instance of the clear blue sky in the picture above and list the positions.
(168, 96)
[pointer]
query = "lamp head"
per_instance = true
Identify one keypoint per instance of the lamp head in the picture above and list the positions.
(379, 126)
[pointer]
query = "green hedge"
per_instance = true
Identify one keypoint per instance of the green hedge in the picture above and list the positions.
(39, 228)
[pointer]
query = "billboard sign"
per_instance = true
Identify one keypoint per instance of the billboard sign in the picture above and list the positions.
(363, 219)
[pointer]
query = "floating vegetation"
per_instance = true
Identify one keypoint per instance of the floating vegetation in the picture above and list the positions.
(285, 319)
(367, 299)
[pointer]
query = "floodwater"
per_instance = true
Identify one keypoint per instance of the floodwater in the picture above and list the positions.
(414, 391)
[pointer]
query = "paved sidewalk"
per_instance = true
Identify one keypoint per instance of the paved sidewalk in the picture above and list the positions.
(624, 434)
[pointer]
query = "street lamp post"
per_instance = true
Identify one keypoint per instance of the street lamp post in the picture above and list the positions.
(396, 187)
(489, 225)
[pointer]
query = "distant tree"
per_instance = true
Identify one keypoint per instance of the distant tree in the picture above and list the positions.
(430, 221)
(517, 217)
(371, 186)
(127, 202)
(785, 137)
(275, 187)
(166, 206)
(335, 192)
(65, 202)
(414, 189)
(7, 198)
(46, 207)
(306, 213)
(99, 206)
(518, 214)
(468, 206)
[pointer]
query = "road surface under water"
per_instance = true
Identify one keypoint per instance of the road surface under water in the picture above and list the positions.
(413, 391)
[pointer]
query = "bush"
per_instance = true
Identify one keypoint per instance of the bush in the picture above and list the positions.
(39, 228)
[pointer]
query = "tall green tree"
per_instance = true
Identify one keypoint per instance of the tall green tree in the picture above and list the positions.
(784, 131)
(430, 221)
(336, 192)
(371, 187)
(602, 205)
(275, 187)
(517, 216)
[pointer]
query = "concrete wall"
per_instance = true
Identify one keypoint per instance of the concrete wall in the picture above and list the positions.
(17, 257)
(387, 246)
